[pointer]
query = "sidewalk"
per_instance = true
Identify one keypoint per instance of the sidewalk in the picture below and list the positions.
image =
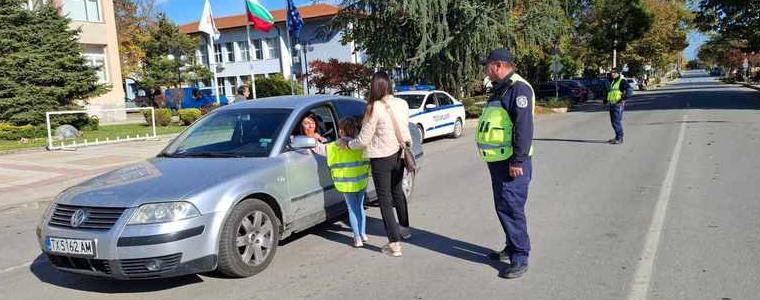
(35, 177)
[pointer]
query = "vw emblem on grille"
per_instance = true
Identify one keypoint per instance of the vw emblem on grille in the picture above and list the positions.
(78, 218)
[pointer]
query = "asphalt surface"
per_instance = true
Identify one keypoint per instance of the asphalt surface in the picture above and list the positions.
(671, 214)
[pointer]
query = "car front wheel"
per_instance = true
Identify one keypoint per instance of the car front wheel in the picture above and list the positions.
(249, 239)
(458, 129)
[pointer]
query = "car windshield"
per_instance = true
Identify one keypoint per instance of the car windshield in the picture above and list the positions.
(231, 133)
(414, 101)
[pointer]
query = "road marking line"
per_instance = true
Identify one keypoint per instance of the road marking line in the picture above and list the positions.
(21, 266)
(645, 268)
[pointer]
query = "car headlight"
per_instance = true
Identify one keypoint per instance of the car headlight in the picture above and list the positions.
(47, 213)
(164, 212)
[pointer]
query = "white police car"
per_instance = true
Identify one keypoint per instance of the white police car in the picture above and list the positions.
(436, 113)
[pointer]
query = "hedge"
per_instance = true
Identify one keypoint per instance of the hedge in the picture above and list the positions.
(163, 116)
(189, 115)
(13, 133)
(473, 106)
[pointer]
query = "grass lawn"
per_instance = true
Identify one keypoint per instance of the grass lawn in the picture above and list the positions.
(105, 132)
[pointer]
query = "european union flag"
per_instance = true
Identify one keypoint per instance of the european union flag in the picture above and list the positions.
(295, 23)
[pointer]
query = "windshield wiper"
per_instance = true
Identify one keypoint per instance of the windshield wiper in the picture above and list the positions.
(206, 154)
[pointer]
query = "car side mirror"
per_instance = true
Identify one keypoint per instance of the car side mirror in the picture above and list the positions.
(303, 142)
(430, 106)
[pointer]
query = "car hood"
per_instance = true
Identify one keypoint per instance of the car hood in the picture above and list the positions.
(158, 180)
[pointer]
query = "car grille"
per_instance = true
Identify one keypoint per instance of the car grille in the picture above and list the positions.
(136, 268)
(77, 263)
(101, 218)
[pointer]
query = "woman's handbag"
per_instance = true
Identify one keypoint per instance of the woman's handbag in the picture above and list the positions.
(410, 162)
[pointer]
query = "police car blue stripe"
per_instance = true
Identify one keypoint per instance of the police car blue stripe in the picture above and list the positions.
(442, 126)
(436, 109)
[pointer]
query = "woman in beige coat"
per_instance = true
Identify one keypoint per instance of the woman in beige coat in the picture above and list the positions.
(385, 115)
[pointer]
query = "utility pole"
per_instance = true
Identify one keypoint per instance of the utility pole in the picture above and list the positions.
(614, 46)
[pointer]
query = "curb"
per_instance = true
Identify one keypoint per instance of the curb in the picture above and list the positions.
(751, 86)
(44, 148)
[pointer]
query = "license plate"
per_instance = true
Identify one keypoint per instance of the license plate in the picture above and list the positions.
(71, 246)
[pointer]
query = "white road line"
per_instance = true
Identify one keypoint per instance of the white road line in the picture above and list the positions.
(644, 271)
(21, 266)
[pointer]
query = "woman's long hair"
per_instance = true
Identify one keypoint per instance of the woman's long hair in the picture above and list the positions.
(380, 87)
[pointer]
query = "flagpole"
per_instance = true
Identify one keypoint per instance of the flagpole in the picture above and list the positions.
(250, 58)
(212, 64)
(290, 48)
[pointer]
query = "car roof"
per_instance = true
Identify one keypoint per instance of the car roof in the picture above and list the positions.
(288, 102)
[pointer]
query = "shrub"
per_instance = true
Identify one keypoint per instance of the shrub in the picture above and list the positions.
(555, 102)
(473, 106)
(163, 116)
(189, 115)
(12, 133)
(93, 124)
(275, 85)
(209, 108)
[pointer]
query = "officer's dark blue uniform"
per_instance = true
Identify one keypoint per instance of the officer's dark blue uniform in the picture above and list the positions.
(511, 193)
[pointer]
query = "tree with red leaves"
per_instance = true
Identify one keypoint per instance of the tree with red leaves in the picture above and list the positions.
(339, 77)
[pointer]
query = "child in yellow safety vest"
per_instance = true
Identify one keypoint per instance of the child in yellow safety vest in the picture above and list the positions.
(350, 174)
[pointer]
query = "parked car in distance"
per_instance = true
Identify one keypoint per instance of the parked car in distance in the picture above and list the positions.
(570, 89)
(633, 83)
(219, 197)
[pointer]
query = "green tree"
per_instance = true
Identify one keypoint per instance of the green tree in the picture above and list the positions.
(41, 64)
(660, 46)
(440, 41)
(169, 58)
(732, 19)
(275, 85)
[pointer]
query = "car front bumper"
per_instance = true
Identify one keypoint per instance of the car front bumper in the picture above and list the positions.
(140, 251)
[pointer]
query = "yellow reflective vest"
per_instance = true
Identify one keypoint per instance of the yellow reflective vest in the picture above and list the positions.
(349, 168)
(615, 94)
(494, 132)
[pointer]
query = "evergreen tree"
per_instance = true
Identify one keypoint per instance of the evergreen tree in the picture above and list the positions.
(41, 64)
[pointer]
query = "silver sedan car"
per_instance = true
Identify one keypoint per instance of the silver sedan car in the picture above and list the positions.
(219, 197)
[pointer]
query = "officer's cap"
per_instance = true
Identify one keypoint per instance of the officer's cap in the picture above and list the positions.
(498, 54)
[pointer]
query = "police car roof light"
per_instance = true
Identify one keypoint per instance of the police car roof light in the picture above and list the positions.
(416, 87)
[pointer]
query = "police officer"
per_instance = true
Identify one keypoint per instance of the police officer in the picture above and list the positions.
(619, 91)
(504, 139)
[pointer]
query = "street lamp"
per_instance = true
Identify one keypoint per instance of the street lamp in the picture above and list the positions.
(614, 46)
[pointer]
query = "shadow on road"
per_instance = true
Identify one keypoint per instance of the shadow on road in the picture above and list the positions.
(46, 273)
(421, 238)
(574, 141)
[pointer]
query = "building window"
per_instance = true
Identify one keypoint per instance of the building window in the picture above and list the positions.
(203, 55)
(229, 88)
(218, 53)
(244, 52)
(220, 85)
(258, 50)
(96, 57)
(82, 10)
(230, 49)
(273, 45)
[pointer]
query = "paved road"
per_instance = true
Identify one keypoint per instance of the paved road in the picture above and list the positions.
(671, 214)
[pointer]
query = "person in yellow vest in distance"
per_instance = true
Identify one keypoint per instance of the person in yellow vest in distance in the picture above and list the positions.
(619, 91)
(350, 172)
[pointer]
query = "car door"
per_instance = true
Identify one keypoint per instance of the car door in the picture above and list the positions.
(313, 195)
(448, 113)
(431, 116)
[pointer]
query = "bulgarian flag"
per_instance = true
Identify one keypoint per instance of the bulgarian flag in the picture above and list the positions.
(258, 15)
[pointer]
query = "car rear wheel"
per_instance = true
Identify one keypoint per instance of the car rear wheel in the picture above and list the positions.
(458, 129)
(249, 239)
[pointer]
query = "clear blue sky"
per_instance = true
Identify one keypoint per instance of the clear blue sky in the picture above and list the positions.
(696, 39)
(186, 11)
